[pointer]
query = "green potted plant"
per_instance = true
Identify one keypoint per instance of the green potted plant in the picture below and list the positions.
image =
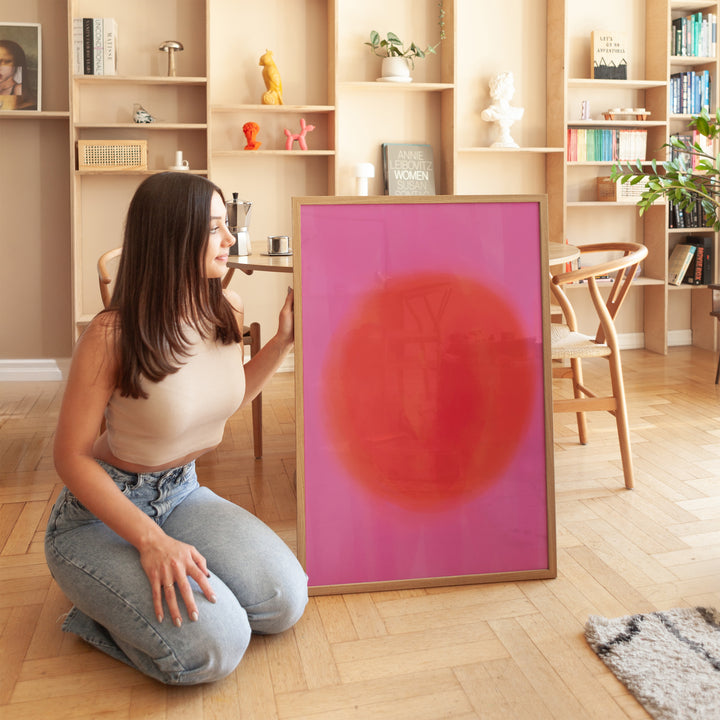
(399, 58)
(677, 180)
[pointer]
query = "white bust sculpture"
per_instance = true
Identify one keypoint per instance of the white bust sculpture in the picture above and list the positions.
(502, 89)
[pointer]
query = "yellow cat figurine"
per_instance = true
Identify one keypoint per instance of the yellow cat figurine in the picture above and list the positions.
(273, 83)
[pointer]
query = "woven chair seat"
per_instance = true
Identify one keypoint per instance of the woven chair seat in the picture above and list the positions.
(567, 344)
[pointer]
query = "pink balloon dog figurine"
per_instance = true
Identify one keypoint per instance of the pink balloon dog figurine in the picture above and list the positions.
(300, 137)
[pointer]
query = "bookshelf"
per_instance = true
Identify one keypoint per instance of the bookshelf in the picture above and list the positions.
(329, 79)
(692, 301)
(656, 315)
(102, 107)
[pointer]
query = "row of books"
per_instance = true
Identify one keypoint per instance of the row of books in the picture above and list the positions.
(603, 144)
(691, 262)
(691, 139)
(94, 46)
(694, 35)
(690, 92)
(690, 217)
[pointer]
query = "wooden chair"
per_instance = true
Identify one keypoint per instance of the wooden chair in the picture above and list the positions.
(568, 344)
(107, 268)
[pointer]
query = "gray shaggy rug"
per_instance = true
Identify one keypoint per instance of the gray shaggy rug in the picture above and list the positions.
(670, 661)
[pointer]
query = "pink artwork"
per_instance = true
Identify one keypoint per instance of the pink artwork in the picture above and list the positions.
(424, 454)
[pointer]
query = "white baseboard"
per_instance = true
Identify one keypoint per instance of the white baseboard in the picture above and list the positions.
(288, 364)
(37, 370)
(29, 370)
(679, 337)
(636, 341)
(631, 341)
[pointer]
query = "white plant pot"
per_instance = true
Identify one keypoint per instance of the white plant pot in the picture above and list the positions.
(395, 69)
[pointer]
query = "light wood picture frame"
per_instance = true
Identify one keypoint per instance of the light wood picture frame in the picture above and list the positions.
(20, 66)
(424, 423)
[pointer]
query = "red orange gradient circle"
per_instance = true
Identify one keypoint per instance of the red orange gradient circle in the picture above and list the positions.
(428, 388)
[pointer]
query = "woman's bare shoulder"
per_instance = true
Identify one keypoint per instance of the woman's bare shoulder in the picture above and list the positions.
(234, 299)
(100, 338)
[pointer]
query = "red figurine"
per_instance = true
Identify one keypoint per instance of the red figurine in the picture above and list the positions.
(251, 130)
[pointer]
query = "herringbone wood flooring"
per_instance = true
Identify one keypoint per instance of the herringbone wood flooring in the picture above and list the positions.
(512, 650)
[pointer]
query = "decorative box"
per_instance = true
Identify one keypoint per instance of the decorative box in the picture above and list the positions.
(610, 191)
(109, 155)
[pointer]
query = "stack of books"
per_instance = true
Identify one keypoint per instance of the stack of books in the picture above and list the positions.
(691, 262)
(604, 144)
(690, 139)
(679, 262)
(694, 35)
(686, 217)
(94, 46)
(700, 271)
(690, 92)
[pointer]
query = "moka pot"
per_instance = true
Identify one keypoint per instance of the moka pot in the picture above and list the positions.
(238, 215)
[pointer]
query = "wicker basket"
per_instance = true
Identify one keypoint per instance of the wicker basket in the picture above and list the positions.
(112, 155)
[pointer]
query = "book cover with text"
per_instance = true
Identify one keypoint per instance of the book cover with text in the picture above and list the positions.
(609, 55)
(408, 169)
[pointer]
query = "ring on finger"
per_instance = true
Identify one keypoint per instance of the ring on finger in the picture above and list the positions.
(169, 587)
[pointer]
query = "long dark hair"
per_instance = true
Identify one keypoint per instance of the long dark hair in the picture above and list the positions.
(161, 285)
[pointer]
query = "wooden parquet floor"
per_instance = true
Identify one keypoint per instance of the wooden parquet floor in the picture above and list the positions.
(510, 650)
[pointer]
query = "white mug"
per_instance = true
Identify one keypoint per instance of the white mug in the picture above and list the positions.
(180, 164)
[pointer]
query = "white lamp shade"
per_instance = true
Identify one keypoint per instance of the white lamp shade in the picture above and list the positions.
(364, 170)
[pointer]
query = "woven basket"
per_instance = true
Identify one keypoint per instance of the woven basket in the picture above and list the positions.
(112, 155)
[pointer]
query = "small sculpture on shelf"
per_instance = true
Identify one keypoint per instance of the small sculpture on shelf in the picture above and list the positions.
(300, 137)
(502, 89)
(251, 129)
(271, 77)
(171, 47)
(141, 116)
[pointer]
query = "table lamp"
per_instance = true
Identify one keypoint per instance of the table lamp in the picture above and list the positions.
(363, 171)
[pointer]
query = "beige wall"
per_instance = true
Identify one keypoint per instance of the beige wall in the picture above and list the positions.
(35, 314)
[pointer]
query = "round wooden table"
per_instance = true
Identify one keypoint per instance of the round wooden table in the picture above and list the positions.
(560, 253)
(261, 261)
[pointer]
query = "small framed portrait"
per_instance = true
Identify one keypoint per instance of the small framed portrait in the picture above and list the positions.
(20, 66)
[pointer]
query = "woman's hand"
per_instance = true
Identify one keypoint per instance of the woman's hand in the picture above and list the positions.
(168, 563)
(286, 324)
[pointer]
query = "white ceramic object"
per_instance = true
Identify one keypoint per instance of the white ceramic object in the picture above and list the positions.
(395, 69)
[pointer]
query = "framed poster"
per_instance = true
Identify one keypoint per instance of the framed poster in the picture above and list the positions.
(424, 453)
(20, 66)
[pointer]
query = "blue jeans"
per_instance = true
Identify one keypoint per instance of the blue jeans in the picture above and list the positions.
(260, 585)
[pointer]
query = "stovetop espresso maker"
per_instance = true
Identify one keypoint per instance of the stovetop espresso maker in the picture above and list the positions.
(238, 214)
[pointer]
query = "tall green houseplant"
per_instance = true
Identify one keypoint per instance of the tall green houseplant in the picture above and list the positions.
(678, 181)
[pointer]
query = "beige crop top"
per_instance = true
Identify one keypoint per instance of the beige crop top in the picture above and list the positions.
(185, 412)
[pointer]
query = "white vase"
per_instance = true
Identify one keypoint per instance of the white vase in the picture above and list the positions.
(396, 69)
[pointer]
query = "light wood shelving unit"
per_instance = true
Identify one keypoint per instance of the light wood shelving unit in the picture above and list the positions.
(329, 80)
(662, 313)
(101, 108)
